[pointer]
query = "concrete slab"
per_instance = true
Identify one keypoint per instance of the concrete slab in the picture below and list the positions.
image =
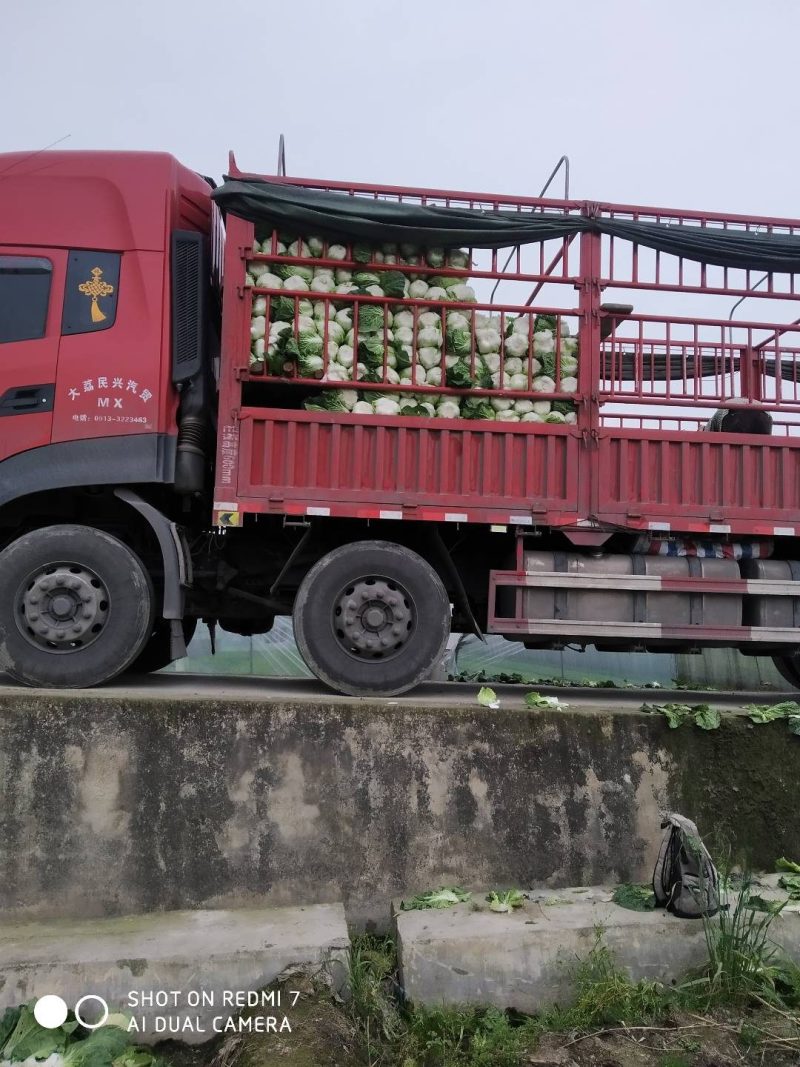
(430, 694)
(203, 962)
(526, 959)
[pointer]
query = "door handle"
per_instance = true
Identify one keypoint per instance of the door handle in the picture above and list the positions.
(25, 399)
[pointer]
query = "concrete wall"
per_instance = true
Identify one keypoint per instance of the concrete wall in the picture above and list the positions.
(112, 805)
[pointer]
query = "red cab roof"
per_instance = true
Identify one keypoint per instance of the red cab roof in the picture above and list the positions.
(105, 200)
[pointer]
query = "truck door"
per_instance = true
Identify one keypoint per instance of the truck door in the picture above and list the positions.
(31, 296)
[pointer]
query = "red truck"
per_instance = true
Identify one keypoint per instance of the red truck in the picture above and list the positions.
(608, 456)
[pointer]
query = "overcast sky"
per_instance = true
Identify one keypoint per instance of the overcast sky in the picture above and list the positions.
(673, 103)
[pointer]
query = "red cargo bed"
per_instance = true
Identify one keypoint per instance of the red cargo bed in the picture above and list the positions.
(649, 377)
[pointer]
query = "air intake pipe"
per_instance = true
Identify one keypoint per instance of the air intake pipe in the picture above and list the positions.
(190, 459)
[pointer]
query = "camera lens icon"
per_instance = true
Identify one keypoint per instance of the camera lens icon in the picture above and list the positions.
(103, 1012)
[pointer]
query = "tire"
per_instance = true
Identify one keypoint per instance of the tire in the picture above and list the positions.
(76, 607)
(789, 668)
(338, 625)
(156, 653)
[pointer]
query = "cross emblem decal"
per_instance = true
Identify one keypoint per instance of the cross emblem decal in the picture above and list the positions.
(96, 288)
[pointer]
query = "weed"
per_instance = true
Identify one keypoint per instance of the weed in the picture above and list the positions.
(462, 1038)
(744, 965)
(749, 1035)
(373, 1005)
(675, 1059)
(605, 996)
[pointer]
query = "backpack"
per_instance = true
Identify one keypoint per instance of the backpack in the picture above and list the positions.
(685, 880)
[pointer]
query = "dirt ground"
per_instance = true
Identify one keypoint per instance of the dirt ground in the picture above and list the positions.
(723, 1042)
(323, 1035)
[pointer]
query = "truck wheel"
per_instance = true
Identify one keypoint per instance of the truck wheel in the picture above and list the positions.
(371, 619)
(789, 668)
(156, 652)
(76, 607)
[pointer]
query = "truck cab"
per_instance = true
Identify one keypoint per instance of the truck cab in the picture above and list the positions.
(86, 314)
(103, 337)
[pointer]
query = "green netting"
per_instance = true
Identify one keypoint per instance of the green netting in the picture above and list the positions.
(340, 216)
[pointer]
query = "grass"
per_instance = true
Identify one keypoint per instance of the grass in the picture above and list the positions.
(462, 1038)
(744, 965)
(745, 974)
(604, 997)
(374, 1001)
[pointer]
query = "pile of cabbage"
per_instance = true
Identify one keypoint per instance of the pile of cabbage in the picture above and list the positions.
(24, 1042)
(402, 344)
(441, 406)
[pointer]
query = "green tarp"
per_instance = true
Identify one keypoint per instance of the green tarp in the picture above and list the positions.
(339, 216)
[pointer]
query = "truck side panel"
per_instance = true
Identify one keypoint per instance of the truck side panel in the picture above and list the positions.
(706, 482)
(301, 461)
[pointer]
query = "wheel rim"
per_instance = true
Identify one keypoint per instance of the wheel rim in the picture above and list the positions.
(62, 608)
(374, 617)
